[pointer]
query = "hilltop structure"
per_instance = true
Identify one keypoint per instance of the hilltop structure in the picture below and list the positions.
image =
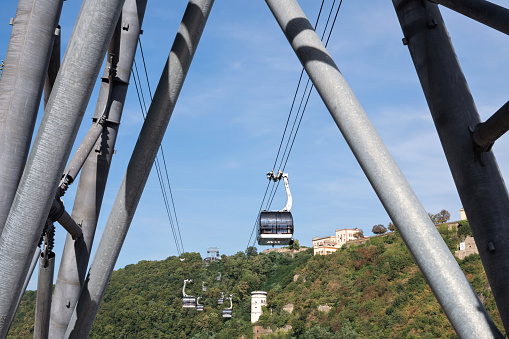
(258, 300)
(330, 244)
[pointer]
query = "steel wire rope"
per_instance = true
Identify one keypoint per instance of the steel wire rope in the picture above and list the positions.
(143, 107)
(271, 198)
(162, 151)
(284, 132)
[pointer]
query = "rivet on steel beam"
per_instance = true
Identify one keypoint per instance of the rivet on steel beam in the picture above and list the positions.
(141, 32)
(432, 23)
(11, 21)
(491, 247)
(57, 31)
(405, 41)
(125, 27)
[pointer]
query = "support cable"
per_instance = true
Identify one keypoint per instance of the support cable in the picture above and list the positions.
(162, 151)
(284, 132)
(271, 197)
(143, 107)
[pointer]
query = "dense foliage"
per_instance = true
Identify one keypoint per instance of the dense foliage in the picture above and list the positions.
(374, 290)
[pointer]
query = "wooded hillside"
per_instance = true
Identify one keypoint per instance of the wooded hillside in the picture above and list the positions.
(373, 290)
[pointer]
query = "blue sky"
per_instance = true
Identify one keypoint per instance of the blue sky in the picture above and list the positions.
(226, 127)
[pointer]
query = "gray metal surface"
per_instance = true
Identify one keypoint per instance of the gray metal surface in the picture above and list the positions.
(21, 85)
(486, 133)
(94, 174)
(53, 67)
(140, 164)
(35, 259)
(43, 302)
(490, 14)
(479, 183)
(78, 159)
(70, 225)
(52, 145)
(447, 281)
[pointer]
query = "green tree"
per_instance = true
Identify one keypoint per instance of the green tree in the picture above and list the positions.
(379, 229)
(251, 252)
(295, 245)
(391, 227)
(464, 229)
(440, 217)
(358, 234)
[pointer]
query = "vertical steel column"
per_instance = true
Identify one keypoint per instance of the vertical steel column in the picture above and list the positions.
(490, 14)
(52, 145)
(94, 175)
(138, 170)
(479, 183)
(449, 284)
(21, 86)
(43, 301)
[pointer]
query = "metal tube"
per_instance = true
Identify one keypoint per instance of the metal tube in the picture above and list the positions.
(36, 256)
(53, 67)
(139, 167)
(43, 301)
(479, 183)
(26, 62)
(488, 13)
(94, 174)
(447, 281)
(70, 225)
(81, 155)
(52, 145)
(485, 134)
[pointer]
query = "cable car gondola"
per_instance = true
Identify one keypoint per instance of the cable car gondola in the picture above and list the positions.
(227, 312)
(276, 227)
(188, 301)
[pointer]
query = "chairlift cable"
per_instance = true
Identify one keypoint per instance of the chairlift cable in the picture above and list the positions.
(143, 107)
(162, 151)
(284, 132)
(309, 93)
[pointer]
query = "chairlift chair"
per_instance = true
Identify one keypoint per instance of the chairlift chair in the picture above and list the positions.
(227, 312)
(219, 277)
(199, 307)
(276, 227)
(220, 301)
(188, 301)
(203, 287)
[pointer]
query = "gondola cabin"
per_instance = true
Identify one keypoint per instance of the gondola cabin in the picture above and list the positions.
(275, 228)
(188, 302)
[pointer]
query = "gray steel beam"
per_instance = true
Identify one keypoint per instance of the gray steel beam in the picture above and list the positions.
(26, 62)
(479, 183)
(35, 258)
(488, 13)
(486, 133)
(94, 174)
(140, 164)
(52, 145)
(43, 301)
(53, 67)
(447, 281)
(70, 225)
